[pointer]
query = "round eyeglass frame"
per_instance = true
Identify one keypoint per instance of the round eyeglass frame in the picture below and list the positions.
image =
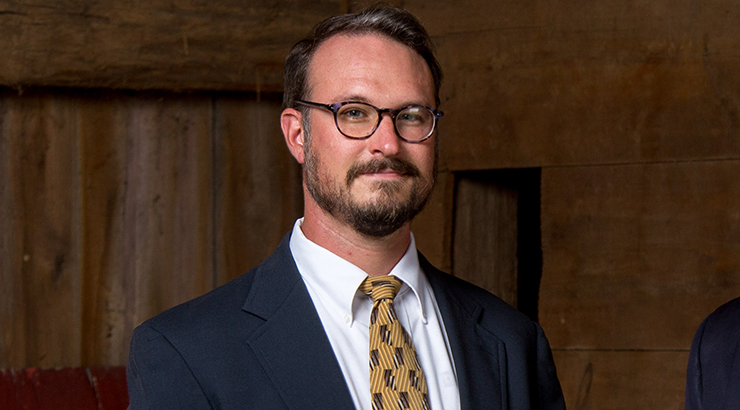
(334, 108)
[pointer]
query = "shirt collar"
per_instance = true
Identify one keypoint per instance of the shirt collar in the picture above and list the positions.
(336, 280)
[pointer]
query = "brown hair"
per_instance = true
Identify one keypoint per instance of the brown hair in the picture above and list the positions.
(393, 22)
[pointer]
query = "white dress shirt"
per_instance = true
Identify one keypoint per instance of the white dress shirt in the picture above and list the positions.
(333, 284)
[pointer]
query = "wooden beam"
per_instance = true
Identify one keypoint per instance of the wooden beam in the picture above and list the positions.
(532, 84)
(153, 44)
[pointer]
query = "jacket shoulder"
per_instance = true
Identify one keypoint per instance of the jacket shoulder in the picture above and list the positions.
(223, 306)
(478, 318)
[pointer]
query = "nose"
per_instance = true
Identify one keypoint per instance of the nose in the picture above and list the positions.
(384, 140)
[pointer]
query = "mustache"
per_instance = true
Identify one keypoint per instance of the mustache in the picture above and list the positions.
(377, 165)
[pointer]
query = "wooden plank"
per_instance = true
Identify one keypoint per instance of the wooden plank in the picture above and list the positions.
(257, 184)
(532, 84)
(432, 228)
(130, 181)
(622, 380)
(157, 44)
(141, 226)
(110, 387)
(12, 314)
(42, 239)
(168, 202)
(103, 136)
(636, 256)
(485, 233)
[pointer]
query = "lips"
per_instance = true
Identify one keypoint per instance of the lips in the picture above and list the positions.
(380, 166)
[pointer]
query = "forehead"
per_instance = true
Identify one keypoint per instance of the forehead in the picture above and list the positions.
(369, 67)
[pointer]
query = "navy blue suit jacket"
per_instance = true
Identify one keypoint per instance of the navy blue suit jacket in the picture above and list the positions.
(713, 374)
(257, 343)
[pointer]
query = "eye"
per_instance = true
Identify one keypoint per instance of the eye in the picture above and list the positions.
(355, 113)
(414, 116)
(410, 117)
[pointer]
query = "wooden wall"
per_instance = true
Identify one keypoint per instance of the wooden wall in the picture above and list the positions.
(116, 203)
(630, 109)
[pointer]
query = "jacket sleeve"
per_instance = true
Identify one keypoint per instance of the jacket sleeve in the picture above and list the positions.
(549, 392)
(158, 377)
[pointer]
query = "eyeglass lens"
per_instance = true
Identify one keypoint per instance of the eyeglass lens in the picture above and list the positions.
(359, 120)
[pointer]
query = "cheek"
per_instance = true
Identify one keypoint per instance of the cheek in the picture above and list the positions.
(342, 153)
(424, 158)
(331, 142)
(335, 160)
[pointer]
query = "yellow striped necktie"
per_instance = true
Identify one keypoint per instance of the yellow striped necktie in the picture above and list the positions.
(396, 379)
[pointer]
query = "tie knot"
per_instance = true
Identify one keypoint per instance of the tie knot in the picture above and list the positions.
(381, 287)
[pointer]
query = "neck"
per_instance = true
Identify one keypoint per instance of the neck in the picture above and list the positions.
(376, 256)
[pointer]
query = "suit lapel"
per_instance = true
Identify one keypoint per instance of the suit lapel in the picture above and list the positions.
(480, 357)
(291, 344)
(296, 354)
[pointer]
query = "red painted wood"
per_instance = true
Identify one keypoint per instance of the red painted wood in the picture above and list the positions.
(25, 396)
(64, 389)
(110, 387)
(7, 391)
(97, 388)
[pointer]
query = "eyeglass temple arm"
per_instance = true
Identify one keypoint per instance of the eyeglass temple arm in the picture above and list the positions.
(329, 107)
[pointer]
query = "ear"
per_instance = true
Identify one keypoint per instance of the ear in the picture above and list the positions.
(291, 121)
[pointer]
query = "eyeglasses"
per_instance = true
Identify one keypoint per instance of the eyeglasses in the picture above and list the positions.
(413, 123)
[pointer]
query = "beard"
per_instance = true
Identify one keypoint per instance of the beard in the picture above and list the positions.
(380, 216)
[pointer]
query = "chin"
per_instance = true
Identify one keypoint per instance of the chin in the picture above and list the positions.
(382, 199)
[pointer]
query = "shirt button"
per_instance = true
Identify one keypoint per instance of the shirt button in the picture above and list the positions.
(347, 319)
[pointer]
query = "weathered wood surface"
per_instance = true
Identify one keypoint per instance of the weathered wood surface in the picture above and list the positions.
(96, 388)
(110, 387)
(563, 83)
(485, 234)
(109, 204)
(257, 184)
(116, 206)
(108, 274)
(41, 233)
(432, 228)
(154, 44)
(636, 256)
(169, 199)
(622, 380)
(528, 84)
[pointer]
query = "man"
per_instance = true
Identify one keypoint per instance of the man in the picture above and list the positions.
(713, 373)
(300, 331)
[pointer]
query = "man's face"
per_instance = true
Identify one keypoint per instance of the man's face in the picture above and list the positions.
(378, 184)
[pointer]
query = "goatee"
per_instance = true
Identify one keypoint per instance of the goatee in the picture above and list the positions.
(387, 212)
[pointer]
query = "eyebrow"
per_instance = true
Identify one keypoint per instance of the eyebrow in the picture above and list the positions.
(354, 97)
(362, 99)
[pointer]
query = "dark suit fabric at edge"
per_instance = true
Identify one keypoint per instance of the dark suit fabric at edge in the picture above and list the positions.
(257, 343)
(713, 373)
